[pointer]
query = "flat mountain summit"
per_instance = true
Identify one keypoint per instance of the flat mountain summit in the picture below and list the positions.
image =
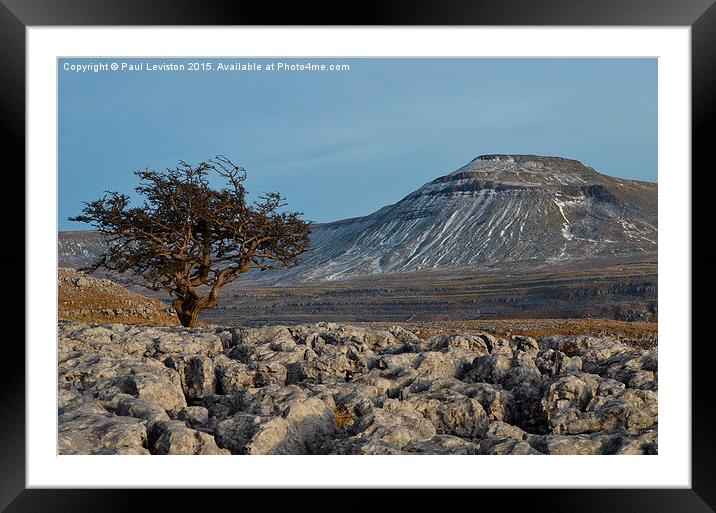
(496, 209)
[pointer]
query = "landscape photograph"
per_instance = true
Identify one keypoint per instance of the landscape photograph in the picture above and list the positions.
(357, 256)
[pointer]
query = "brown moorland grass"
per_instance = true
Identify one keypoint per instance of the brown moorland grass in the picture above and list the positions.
(89, 299)
(102, 308)
(638, 334)
(342, 416)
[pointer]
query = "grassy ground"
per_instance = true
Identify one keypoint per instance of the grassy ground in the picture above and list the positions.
(88, 299)
(104, 308)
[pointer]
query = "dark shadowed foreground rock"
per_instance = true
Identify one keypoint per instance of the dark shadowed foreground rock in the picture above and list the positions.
(336, 389)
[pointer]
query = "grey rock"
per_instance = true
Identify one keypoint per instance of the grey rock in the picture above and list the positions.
(587, 403)
(491, 368)
(197, 374)
(174, 437)
(129, 406)
(188, 341)
(442, 444)
(498, 446)
(150, 387)
(554, 363)
(233, 376)
(525, 344)
(88, 433)
(124, 450)
(194, 416)
(270, 373)
(560, 444)
(253, 434)
(330, 388)
(394, 426)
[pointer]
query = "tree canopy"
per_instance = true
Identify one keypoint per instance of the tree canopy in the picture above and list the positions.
(190, 239)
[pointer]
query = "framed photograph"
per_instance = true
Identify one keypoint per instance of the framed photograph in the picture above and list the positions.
(431, 246)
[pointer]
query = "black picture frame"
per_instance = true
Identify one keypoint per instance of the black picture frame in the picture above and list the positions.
(17, 15)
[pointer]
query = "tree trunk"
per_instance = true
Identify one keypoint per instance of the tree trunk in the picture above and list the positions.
(188, 311)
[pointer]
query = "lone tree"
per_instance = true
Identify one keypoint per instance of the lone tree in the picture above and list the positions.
(190, 239)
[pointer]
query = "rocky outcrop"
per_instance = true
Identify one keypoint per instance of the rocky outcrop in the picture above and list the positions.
(336, 389)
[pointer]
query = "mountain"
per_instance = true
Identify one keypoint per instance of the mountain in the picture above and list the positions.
(497, 209)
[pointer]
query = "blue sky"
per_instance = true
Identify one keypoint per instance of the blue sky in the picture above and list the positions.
(344, 144)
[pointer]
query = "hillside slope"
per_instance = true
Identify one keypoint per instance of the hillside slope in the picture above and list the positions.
(496, 209)
(89, 299)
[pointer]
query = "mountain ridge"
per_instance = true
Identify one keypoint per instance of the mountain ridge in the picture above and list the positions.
(497, 208)
(563, 209)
